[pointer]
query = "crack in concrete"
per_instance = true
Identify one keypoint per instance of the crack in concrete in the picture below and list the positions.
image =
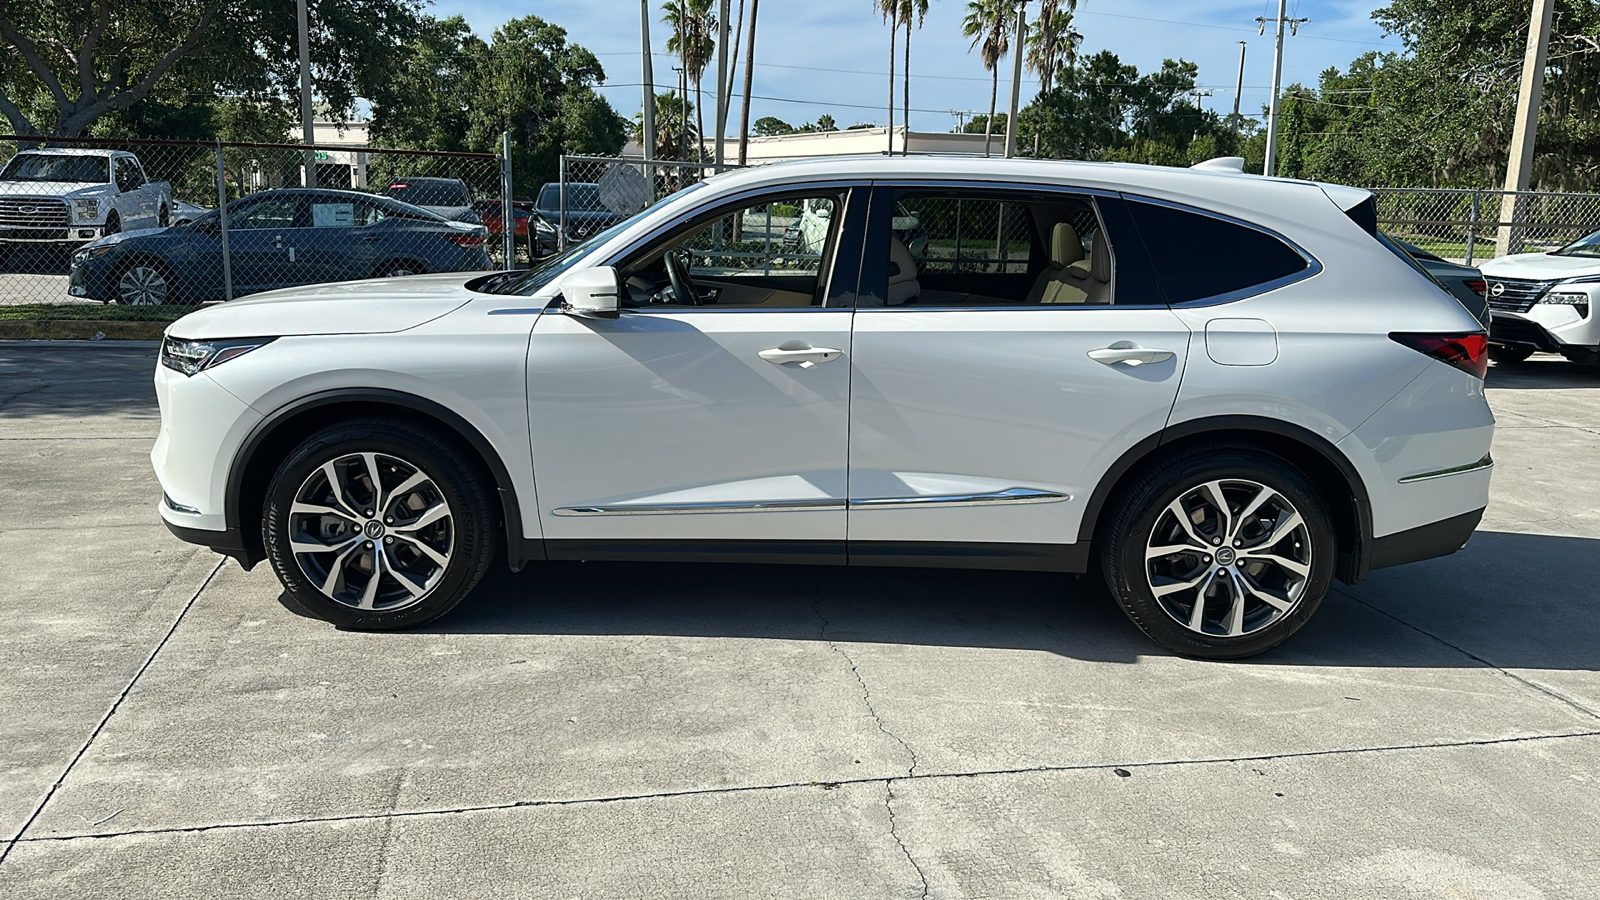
(115, 705)
(809, 785)
(43, 385)
(1548, 692)
(866, 692)
(894, 832)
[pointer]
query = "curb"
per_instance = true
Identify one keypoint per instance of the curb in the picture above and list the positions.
(95, 330)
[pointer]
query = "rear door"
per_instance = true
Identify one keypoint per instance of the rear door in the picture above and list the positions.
(999, 378)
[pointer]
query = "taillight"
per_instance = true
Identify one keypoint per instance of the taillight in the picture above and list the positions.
(1467, 351)
(467, 240)
(1478, 286)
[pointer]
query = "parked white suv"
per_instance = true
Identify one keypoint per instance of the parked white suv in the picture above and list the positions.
(1221, 391)
(1546, 301)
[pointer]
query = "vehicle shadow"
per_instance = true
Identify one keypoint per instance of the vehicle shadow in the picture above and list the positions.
(36, 261)
(43, 380)
(1493, 602)
(1542, 372)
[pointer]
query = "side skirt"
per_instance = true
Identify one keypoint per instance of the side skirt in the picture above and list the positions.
(918, 554)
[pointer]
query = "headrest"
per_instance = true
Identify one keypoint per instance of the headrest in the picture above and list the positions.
(1065, 247)
(903, 284)
(1100, 259)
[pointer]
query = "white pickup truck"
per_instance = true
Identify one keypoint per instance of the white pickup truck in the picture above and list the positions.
(74, 196)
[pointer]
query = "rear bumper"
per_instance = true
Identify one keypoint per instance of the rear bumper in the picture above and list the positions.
(1435, 539)
(228, 543)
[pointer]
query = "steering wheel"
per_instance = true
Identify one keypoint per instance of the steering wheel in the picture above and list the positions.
(678, 274)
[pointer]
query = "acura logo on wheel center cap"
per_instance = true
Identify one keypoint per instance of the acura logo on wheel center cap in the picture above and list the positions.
(373, 529)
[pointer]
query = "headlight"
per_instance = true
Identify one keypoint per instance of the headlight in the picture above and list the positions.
(542, 225)
(86, 209)
(190, 357)
(88, 253)
(1579, 302)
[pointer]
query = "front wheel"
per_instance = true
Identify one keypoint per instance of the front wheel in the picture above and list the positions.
(1220, 552)
(377, 524)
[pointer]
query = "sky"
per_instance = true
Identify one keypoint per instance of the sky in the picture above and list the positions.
(831, 56)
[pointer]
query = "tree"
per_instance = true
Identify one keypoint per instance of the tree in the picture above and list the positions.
(985, 23)
(890, 9)
(767, 126)
(908, 10)
(693, 24)
(66, 65)
(670, 112)
(429, 99)
(1053, 43)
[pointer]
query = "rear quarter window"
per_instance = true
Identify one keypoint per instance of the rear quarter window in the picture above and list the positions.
(1197, 256)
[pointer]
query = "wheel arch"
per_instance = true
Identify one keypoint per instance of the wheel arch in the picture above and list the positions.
(275, 436)
(1330, 472)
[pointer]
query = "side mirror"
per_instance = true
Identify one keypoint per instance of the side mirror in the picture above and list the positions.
(593, 293)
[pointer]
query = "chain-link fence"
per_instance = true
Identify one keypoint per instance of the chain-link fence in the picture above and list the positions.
(1474, 225)
(595, 192)
(119, 231)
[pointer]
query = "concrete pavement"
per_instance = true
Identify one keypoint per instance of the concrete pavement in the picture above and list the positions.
(168, 728)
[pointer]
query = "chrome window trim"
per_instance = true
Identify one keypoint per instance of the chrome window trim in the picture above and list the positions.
(1007, 496)
(1487, 462)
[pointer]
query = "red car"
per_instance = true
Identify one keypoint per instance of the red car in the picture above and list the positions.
(493, 220)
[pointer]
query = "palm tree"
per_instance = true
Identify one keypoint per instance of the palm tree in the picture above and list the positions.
(1053, 43)
(985, 23)
(692, 23)
(909, 9)
(891, 14)
(749, 78)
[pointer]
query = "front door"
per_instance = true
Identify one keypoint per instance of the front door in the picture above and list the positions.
(261, 231)
(710, 418)
(1000, 369)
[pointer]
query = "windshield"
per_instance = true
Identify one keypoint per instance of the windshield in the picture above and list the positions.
(430, 193)
(1584, 246)
(580, 197)
(529, 282)
(50, 167)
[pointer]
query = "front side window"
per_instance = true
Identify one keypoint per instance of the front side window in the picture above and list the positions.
(771, 254)
(1198, 256)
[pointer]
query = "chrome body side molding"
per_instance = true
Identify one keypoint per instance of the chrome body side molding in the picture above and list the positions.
(1007, 496)
(1487, 462)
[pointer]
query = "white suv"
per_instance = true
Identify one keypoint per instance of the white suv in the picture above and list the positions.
(1220, 391)
(1546, 301)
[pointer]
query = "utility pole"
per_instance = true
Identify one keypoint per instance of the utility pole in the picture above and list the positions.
(1271, 166)
(648, 111)
(307, 132)
(1520, 164)
(744, 102)
(722, 82)
(1238, 86)
(1016, 78)
(683, 114)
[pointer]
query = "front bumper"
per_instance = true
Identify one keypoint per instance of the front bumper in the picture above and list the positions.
(90, 280)
(67, 235)
(1550, 327)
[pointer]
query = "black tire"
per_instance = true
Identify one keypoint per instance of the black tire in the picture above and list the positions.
(113, 224)
(1504, 355)
(465, 534)
(1143, 507)
(162, 219)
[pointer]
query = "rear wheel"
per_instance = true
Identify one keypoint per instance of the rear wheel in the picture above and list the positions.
(1220, 552)
(1504, 355)
(400, 268)
(113, 224)
(377, 524)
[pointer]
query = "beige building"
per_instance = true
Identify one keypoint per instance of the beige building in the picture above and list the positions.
(847, 143)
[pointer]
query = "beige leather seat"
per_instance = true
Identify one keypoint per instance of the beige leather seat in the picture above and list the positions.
(1056, 283)
(903, 284)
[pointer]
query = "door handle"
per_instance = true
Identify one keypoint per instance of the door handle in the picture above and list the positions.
(1127, 352)
(805, 356)
(373, 238)
(277, 242)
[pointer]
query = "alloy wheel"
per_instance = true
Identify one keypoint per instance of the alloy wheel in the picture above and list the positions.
(1228, 558)
(142, 285)
(371, 531)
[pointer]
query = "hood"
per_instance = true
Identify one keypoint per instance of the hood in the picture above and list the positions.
(64, 189)
(376, 306)
(1540, 266)
(112, 240)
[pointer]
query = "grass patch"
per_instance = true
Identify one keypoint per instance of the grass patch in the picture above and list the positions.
(76, 312)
